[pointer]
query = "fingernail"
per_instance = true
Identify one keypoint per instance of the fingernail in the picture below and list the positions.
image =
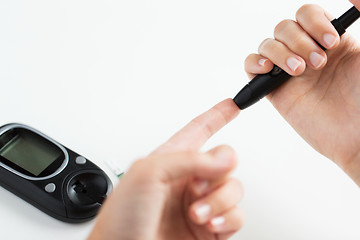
(262, 62)
(200, 186)
(329, 40)
(218, 221)
(202, 212)
(316, 59)
(293, 63)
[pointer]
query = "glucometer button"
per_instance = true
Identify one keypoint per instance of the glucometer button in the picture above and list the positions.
(50, 187)
(80, 160)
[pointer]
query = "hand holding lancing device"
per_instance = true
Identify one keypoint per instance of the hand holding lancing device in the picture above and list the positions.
(322, 101)
(177, 192)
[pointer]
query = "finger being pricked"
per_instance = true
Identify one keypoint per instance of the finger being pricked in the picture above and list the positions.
(200, 129)
(356, 3)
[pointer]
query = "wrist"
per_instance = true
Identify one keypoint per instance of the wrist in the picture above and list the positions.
(352, 168)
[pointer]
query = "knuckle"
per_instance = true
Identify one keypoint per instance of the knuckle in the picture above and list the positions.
(271, 48)
(282, 26)
(144, 167)
(232, 188)
(248, 61)
(192, 155)
(139, 163)
(306, 9)
(265, 45)
(196, 158)
(250, 58)
(230, 154)
(300, 42)
(144, 164)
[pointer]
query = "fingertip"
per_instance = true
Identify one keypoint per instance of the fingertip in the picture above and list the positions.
(257, 64)
(199, 213)
(230, 221)
(216, 224)
(295, 65)
(317, 60)
(331, 40)
(228, 110)
(262, 62)
(265, 65)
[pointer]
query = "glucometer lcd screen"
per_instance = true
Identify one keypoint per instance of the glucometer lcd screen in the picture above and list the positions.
(28, 151)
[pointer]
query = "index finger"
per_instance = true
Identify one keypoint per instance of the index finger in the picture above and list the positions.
(200, 129)
(356, 3)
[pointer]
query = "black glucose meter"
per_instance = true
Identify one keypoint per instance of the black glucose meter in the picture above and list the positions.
(53, 178)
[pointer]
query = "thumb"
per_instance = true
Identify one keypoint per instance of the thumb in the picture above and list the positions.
(168, 167)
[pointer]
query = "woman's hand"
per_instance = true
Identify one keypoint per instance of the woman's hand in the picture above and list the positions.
(322, 101)
(177, 192)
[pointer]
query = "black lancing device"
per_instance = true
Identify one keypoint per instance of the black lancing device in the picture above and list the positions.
(48, 175)
(263, 84)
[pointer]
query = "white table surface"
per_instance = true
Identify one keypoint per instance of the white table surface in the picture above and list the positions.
(114, 79)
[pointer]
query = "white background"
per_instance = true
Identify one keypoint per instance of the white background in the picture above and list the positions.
(114, 79)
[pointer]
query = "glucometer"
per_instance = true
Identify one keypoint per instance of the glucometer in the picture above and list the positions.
(263, 84)
(48, 175)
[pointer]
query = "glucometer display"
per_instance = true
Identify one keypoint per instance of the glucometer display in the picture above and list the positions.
(21, 148)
